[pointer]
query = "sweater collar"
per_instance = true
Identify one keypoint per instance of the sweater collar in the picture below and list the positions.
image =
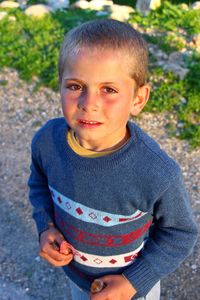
(110, 161)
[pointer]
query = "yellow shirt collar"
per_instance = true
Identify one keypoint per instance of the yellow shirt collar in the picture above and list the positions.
(78, 149)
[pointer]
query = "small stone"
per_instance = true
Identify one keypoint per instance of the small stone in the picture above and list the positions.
(193, 267)
(195, 188)
(38, 10)
(177, 70)
(83, 4)
(22, 3)
(154, 4)
(123, 8)
(58, 4)
(161, 55)
(12, 18)
(3, 14)
(29, 100)
(94, 4)
(176, 57)
(196, 41)
(97, 286)
(196, 5)
(121, 12)
(184, 6)
(43, 114)
(37, 258)
(183, 101)
(99, 5)
(144, 6)
(9, 4)
(180, 125)
(101, 13)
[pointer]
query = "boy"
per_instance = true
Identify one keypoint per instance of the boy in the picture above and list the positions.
(99, 182)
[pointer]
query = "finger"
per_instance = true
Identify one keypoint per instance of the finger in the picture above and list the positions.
(65, 247)
(59, 238)
(99, 296)
(55, 254)
(55, 245)
(106, 279)
(62, 248)
(57, 263)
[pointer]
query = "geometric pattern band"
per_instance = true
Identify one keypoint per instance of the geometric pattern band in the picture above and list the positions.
(110, 261)
(87, 214)
(100, 240)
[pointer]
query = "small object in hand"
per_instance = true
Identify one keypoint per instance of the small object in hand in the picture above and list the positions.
(65, 248)
(55, 245)
(97, 286)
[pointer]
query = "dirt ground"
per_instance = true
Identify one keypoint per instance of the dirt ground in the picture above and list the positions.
(23, 275)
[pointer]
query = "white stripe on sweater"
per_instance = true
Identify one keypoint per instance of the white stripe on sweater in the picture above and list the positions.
(112, 261)
(91, 215)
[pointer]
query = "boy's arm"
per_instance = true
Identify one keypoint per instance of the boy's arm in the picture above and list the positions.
(39, 194)
(171, 239)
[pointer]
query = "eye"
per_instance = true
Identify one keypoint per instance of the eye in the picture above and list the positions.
(109, 90)
(74, 87)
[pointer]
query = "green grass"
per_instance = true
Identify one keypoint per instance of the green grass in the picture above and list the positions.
(32, 47)
(169, 93)
(170, 17)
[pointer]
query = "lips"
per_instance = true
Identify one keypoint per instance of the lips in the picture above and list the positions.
(88, 123)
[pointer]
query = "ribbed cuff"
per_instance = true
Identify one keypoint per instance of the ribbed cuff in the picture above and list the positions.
(141, 276)
(42, 220)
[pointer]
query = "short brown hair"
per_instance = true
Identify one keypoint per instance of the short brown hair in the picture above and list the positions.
(108, 34)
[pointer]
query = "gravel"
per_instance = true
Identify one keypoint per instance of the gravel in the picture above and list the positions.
(23, 275)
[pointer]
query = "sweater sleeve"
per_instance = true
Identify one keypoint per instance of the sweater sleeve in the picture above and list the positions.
(171, 239)
(39, 194)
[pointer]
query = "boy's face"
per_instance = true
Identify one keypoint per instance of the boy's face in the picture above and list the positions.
(98, 95)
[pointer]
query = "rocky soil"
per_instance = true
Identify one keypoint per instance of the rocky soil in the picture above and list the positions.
(23, 275)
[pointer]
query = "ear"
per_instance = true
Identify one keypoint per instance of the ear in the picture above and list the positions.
(140, 99)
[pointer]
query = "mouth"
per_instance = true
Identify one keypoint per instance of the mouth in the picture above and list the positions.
(88, 123)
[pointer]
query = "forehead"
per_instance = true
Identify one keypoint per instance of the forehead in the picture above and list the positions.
(96, 57)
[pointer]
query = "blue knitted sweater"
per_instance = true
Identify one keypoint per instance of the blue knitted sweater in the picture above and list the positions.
(126, 212)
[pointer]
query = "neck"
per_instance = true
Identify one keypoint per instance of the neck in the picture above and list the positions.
(97, 148)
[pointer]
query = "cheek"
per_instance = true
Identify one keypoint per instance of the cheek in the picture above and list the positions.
(119, 106)
(67, 102)
(63, 103)
(67, 108)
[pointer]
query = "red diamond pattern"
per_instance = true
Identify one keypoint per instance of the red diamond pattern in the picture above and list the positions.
(98, 261)
(59, 199)
(107, 219)
(83, 258)
(79, 211)
(92, 215)
(68, 205)
(130, 257)
(112, 261)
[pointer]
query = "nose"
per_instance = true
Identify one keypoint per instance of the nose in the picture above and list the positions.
(88, 101)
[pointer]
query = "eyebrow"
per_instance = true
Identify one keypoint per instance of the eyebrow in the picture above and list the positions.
(79, 80)
(73, 79)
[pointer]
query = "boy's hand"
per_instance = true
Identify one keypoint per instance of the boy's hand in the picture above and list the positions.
(50, 241)
(117, 288)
